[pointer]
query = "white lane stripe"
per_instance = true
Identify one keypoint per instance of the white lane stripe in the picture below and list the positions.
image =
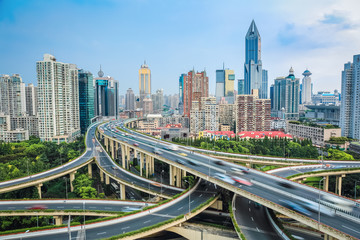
(350, 228)
(101, 233)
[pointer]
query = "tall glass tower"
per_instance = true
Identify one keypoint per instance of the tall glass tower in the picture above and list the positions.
(253, 66)
(86, 99)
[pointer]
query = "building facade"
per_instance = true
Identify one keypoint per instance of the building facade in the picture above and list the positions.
(286, 94)
(350, 100)
(86, 100)
(324, 97)
(204, 115)
(31, 100)
(158, 100)
(306, 89)
(106, 96)
(195, 86)
(227, 117)
(58, 99)
(12, 95)
(241, 86)
(144, 83)
(252, 113)
(225, 84)
(130, 100)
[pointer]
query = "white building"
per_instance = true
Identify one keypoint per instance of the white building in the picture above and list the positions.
(12, 95)
(204, 115)
(58, 99)
(306, 91)
(31, 100)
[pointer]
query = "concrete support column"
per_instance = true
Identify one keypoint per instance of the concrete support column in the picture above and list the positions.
(328, 237)
(58, 220)
(326, 183)
(39, 189)
(107, 179)
(122, 191)
(72, 177)
(338, 187)
(90, 169)
(179, 177)
(171, 175)
(112, 152)
(101, 176)
(123, 155)
(128, 156)
(106, 142)
(147, 165)
(141, 163)
(151, 165)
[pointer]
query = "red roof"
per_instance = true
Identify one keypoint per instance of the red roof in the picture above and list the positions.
(262, 134)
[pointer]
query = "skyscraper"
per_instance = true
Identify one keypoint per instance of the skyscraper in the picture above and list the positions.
(158, 100)
(350, 99)
(286, 96)
(12, 95)
(241, 87)
(106, 96)
(144, 83)
(31, 100)
(195, 86)
(130, 100)
(58, 99)
(86, 99)
(306, 89)
(253, 66)
(225, 84)
(263, 91)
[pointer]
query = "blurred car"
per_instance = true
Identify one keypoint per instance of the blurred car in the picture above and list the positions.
(156, 184)
(224, 178)
(180, 161)
(240, 169)
(191, 162)
(183, 154)
(37, 207)
(157, 151)
(242, 181)
(130, 209)
(285, 184)
(338, 202)
(296, 207)
(136, 145)
(113, 167)
(219, 162)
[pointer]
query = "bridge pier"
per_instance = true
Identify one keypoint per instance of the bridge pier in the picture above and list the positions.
(90, 169)
(72, 177)
(122, 191)
(106, 143)
(141, 163)
(58, 220)
(123, 155)
(112, 152)
(338, 186)
(39, 189)
(328, 237)
(101, 176)
(176, 176)
(147, 165)
(107, 179)
(128, 156)
(326, 183)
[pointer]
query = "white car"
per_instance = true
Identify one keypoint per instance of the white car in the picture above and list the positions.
(224, 178)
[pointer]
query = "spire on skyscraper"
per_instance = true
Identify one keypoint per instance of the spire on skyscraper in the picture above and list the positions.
(100, 73)
(253, 30)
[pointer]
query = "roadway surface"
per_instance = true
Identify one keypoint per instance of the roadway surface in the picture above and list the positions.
(264, 185)
(110, 228)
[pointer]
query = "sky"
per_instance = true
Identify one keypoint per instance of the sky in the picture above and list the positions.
(175, 36)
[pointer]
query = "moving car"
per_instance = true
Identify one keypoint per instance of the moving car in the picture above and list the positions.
(191, 162)
(157, 151)
(183, 154)
(285, 184)
(180, 161)
(224, 178)
(219, 162)
(296, 207)
(136, 145)
(242, 181)
(37, 207)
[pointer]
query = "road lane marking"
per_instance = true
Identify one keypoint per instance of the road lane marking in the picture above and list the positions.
(147, 221)
(350, 229)
(101, 233)
(180, 208)
(252, 218)
(125, 228)
(200, 195)
(249, 210)
(257, 229)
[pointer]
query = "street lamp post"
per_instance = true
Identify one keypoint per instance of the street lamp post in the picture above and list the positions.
(84, 220)
(319, 200)
(162, 171)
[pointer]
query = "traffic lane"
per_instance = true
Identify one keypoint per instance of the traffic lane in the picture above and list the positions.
(253, 221)
(107, 163)
(57, 170)
(302, 235)
(182, 207)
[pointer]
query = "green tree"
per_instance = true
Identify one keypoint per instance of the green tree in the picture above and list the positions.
(87, 192)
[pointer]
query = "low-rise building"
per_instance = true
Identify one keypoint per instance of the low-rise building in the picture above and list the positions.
(317, 133)
(263, 134)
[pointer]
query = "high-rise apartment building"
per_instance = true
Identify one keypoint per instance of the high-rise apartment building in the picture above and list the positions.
(144, 83)
(158, 100)
(263, 91)
(204, 115)
(86, 99)
(241, 86)
(106, 96)
(12, 95)
(306, 89)
(31, 99)
(225, 84)
(286, 97)
(253, 71)
(252, 113)
(130, 100)
(350, 99)
(58, 99)
(227, 115)
(195, 86)
(147, 106)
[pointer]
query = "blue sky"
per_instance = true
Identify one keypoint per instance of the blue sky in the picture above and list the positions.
(174, 36)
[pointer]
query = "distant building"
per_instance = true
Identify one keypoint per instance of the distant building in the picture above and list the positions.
(253, 72)
(106, 96)
(278, 124)
(58, 99)
(148, 106)
(306, 90)
(144, 83)
(317, 134)
(263, 91)
(225, 84)
(204, 115)
(29, 123)
(31, 100)
(227, 116)
(324, 97)
(12, 95)
(286, 96)
(262, 134)
(195, 86)
(158, 100)
(241, 87)
(252, 113)
(350, 101)
(130, 100)
(324, 113)
(8, 134)
(86, 99)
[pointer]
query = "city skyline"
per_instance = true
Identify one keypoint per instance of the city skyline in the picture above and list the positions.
(175, 44)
